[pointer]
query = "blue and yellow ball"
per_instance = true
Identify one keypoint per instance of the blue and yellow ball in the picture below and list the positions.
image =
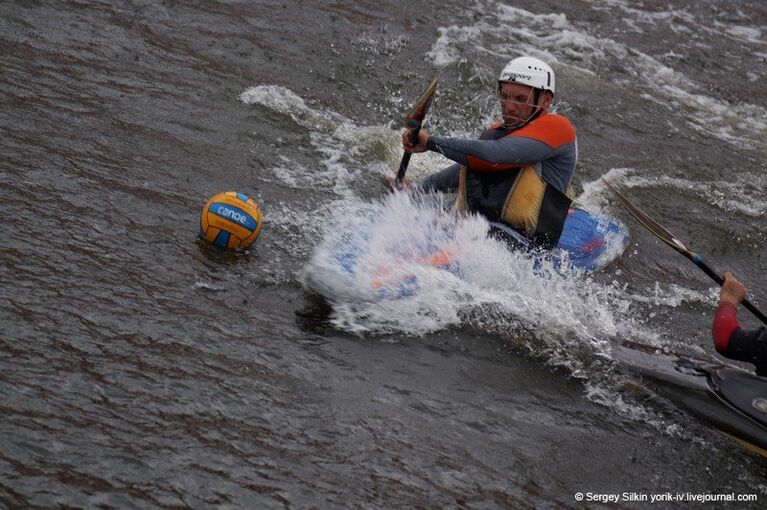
(230, 220)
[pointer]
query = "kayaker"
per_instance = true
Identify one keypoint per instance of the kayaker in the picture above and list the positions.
(519, 170)
(729, 339)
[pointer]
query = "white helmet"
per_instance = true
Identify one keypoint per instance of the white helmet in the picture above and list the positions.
(529, 71)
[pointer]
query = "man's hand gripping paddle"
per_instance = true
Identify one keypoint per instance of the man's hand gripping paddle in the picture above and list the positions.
(667, 237)
(413, 122)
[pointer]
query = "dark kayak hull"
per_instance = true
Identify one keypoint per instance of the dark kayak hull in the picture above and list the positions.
(730, 400)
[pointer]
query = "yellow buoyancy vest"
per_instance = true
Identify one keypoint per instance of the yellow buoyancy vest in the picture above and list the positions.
(533, 207)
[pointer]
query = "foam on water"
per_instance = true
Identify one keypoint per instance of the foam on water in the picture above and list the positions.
(745, 196)
(287, 102)
(685, 22)
(595, 195)
(504, 31)
(346, 150)
(498, 289)
(747, 34)
(342, 145)
(674, 295)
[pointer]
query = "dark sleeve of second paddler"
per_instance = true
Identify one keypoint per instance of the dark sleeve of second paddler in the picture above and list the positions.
(446, 180)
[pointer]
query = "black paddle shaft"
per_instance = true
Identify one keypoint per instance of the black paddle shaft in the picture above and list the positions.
(707, 269)
(415, 128)
(667, 237)
(718, 279)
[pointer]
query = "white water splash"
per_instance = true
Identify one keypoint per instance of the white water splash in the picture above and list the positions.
(342, 145)
(744, 196)
(505, 285)
(673, 295)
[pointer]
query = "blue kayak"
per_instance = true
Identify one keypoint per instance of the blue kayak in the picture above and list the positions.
(591, 242)
(588, 242)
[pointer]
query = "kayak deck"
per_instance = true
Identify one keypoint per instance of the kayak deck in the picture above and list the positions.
(730, 400)
(588, 242)
(591, 242)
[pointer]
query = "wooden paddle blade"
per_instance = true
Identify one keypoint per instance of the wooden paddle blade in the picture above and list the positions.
(650, 224)
(413, 123)
(667, 237)
(418, 112)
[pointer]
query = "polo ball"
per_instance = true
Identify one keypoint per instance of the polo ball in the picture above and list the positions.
(230, 220)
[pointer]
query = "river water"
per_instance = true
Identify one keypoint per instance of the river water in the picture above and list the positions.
(139, 369)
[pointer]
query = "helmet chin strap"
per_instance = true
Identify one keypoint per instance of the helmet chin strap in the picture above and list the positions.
(536, 111)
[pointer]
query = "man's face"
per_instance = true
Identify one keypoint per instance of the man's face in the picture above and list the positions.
(516, 103)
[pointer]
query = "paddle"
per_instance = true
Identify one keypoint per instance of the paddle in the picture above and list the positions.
(413, 122)
(667, 237)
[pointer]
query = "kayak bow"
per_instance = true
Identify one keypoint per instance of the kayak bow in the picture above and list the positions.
(730, 400)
